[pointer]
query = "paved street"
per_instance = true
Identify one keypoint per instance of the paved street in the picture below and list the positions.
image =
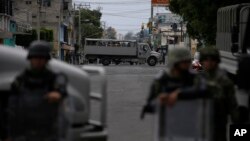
(128, 88)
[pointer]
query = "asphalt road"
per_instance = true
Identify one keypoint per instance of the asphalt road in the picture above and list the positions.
(128, 87)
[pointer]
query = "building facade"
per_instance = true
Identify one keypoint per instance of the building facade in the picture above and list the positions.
(7, 23)
(55, 15)
(168, 29)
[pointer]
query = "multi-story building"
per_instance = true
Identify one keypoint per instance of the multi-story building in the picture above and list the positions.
(55, 15)
(7, 24)
(168, 29)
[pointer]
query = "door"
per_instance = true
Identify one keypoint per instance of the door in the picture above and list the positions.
(143, 51)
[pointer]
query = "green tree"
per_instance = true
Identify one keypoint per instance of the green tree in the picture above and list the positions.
(90, 23)
(110, 33)
(129, 36)
(200, 16)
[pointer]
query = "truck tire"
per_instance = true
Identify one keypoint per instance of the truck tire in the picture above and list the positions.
(105, 62)
(152, 61)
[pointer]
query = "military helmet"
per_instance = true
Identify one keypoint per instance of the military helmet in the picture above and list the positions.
(39, 49)
(177, 55)
(209, 52)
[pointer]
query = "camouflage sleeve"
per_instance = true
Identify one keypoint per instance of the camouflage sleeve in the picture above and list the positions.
(154, 91)
(149, 107)
(231, 101)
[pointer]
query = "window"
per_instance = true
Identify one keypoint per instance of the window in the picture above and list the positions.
(13, 25)
(28, 2)
(65, 5)
(145, 48)
(46, 3)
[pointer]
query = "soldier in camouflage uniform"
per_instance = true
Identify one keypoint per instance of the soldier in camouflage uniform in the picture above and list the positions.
(37, 94)
(222, 90)
(180, 83)
(177, 80)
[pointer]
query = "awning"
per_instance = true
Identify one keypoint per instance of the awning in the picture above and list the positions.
(5, 34)
(67, 47)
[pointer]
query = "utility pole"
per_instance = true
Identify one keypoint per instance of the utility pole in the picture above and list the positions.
(38, 18)
(151, 19)
(181, 31)
(79, 27)
(151, 27)
(80, 7)
(60, 53)
(104, 28)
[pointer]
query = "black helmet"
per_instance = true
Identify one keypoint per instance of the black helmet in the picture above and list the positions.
(39, 49)
(209, 52)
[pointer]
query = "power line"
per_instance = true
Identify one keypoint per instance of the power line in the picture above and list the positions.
(128, 25)
(115, 15)
(132, 11)
(135, 10)
(117, 3)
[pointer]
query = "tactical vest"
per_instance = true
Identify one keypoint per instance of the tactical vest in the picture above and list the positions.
(30, 113)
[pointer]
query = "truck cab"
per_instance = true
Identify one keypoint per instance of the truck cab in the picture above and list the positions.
(77, 106)
(151, 56)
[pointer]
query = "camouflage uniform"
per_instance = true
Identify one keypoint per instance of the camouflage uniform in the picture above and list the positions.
(221, 88)
(190, 84)
(216, 86)
(30, 115)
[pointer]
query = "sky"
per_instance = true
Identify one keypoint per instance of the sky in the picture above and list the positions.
(124, 15)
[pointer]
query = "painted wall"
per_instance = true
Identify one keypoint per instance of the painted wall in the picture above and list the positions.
(12, 41)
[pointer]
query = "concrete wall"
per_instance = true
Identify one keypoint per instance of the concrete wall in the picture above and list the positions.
(50, 16)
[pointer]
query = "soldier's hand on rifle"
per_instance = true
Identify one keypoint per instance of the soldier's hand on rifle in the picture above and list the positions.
(53, 96)
(172, 98)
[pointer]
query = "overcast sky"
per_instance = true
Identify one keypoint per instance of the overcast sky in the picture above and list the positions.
(123, 15)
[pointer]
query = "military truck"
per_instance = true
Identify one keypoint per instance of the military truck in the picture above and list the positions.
(233, 32)
(77, 104)
(117, 51)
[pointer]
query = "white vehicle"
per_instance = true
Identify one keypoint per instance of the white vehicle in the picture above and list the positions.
(117, 51)
(78, 103)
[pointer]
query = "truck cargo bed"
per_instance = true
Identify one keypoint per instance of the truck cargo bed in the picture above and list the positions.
(112, 51)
